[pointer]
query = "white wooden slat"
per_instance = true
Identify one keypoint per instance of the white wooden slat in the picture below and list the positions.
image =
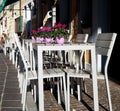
(105, 36)
(58, 70)
(82, 38)
(102, 51)
(105, 44)
(49, 73)
(80, 74)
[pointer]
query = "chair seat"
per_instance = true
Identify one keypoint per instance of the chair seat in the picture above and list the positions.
(100, 75)
(82, 73)
(79, 74)
(32, 75)
(51, 73)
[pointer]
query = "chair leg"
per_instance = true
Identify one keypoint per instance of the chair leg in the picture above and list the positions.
(68, 93)
(65, 93)
(16, 60)
(10, 55)
(58, 91)
(71, 89)
(13, 56)
(33, 89)
(61, 83)
(35, 93)
(24, 94)
(79, 88)
(108, 93)
(20, 79)
(84, 85)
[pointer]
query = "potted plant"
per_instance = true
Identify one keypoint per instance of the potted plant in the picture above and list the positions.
(60, 33)
(47, 34)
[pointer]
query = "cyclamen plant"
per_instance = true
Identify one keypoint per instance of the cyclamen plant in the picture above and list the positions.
(42, 32)
(59, 30)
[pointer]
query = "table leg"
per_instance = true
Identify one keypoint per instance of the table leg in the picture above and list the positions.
(94, 80)
(40, 80)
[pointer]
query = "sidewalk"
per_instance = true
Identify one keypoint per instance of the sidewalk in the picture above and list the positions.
(10, 97)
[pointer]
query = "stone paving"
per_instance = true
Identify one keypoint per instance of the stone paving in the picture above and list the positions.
(10, 97)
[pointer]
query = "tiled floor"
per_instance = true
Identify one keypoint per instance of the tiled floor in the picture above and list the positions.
(10, 97)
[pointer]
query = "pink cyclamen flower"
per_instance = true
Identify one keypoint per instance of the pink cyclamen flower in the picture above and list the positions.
(64, 26)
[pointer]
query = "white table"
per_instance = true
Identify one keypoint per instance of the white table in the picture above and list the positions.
(42, 47)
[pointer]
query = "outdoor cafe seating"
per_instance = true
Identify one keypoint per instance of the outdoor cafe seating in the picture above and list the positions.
(103, 46)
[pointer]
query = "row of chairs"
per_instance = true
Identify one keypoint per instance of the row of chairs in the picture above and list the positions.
(49, 74)
(74, 71)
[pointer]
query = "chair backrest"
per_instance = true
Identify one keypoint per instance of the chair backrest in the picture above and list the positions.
(105, 43)
(82, 38)
(69, 38)
(104, 46)
(77, 57)
(61, 54)
(24, 58)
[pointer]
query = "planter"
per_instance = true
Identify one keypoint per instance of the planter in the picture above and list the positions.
(60, 40)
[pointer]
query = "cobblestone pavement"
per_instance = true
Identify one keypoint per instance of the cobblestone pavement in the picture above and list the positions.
(10, 96)
(87, 103)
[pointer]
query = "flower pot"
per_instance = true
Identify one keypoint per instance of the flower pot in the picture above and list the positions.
(40, 39)
(48, 40)
(60, 40)
(33, 38)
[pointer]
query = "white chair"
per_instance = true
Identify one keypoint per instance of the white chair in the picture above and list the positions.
(27, 75)
(80, 38)
(51, 73)
(104, 47)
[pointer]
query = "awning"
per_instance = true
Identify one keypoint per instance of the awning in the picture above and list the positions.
(4, 3)
(8, 2)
